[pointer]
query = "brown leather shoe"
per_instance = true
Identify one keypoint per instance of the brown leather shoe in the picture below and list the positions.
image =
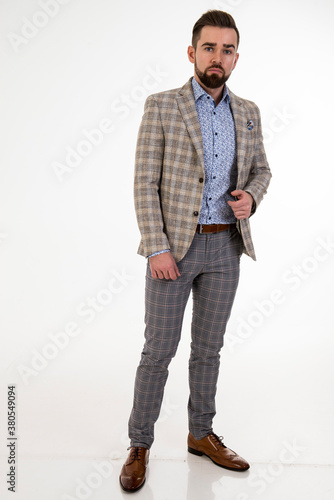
(133, 472)
(212, 447)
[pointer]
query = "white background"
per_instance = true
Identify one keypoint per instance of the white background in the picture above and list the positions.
(64, 237)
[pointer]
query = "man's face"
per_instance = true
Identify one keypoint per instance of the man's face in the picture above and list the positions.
(215, 56)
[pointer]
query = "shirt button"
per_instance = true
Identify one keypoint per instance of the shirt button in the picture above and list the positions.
(209, 218)
(216, 156)
(214, 112)
(214, 177)
(201, 179)
(216, 133)
(210, 199)
(195, 213)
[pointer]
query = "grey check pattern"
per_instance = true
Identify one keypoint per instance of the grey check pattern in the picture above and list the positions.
(210, 270)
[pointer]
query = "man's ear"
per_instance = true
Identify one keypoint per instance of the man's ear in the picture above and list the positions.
(191, 53)
(236, 60)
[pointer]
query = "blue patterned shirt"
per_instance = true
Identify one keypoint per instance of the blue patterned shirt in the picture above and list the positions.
(220, 159)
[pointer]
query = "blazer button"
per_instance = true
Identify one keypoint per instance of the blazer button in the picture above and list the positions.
(201, 179)
(195, 213)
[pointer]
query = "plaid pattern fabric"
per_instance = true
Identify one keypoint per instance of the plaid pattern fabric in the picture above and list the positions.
(210, 270)
(170, 162)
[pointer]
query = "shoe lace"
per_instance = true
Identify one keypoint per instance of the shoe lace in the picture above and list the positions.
(218, 439)
(135, 452)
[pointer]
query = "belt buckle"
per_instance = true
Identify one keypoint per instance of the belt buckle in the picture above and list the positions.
(201, 229)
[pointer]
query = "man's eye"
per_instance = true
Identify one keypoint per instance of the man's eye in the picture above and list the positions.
(227, 52)
(208, 48)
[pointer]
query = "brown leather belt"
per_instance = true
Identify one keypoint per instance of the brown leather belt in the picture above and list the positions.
(213, 228)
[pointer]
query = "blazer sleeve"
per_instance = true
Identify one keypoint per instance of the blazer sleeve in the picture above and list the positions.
(259, 175)
(148, 171)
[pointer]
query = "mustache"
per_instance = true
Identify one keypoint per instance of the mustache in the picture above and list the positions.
(216, 67)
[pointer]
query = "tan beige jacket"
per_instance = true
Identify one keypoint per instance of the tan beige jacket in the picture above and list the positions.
(170, 162)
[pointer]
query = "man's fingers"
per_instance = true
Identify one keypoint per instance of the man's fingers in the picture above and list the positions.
(163, 266)
(243, 206)
(237, 192)
(174, 273)
(237, 204)
(242, 214)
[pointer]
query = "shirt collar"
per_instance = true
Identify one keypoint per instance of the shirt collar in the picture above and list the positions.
(199, 91)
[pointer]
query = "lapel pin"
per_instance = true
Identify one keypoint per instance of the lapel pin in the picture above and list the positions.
(250, 124)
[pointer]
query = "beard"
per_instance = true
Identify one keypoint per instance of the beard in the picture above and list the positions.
(212, 81)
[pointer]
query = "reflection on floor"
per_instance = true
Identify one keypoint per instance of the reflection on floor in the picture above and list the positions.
(194, 478)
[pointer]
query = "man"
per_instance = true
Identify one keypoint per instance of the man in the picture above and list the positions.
(201, 172)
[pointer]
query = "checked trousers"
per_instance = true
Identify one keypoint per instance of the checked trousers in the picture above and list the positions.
(210, 269)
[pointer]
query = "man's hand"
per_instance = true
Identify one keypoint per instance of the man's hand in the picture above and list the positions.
(164, 266)
(243, 206)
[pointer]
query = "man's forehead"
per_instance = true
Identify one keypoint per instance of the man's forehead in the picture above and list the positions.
(217, 34)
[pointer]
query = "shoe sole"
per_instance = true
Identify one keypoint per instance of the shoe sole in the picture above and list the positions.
(131, 490)
(200, 454)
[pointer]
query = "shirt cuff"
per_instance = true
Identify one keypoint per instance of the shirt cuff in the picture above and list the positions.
(158, 253)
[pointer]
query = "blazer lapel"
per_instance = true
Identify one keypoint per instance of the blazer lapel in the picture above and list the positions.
(187, 107)
(238, 112)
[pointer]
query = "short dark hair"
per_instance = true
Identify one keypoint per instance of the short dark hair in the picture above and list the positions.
(213, 18)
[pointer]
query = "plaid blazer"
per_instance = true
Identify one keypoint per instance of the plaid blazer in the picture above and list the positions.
(170, 162)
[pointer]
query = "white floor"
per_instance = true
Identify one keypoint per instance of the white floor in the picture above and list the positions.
(193, 478)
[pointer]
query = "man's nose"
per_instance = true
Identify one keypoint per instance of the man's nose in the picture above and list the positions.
(216, 58)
